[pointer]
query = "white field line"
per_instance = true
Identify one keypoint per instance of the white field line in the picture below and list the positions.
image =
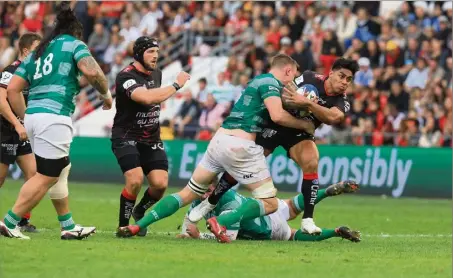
(363, 235)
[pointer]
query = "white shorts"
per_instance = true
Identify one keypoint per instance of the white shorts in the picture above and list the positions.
(241, 158)
(279, 222)
(50, 135)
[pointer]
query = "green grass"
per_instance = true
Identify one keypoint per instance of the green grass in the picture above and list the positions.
(416, 243)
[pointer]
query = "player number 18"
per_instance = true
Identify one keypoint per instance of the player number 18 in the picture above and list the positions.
(46, 68)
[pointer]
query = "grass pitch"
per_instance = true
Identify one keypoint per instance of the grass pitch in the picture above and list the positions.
(400, 238)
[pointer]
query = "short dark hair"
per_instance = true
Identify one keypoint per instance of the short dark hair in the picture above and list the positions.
(343, 63)
(281, 60)
(27, 40)
(203, 80)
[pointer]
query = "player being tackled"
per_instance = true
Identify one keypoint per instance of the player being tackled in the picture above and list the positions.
(274, 226)
(233, 149)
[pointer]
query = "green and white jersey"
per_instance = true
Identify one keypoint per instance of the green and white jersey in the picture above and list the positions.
(53, 77)
(257, 229)
(249, 112)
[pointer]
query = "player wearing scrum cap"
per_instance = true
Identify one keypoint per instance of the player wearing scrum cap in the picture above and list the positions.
(135, 138)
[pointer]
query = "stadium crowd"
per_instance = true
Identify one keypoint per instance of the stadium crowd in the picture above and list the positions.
(401, 96)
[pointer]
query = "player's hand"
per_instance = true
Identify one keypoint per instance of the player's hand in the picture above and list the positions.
(292, 98)
(182, 78)
(107, 105)
(20, 129)
(182, 236)
(193, 231)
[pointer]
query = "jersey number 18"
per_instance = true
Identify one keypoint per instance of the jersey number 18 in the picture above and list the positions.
(46, 68)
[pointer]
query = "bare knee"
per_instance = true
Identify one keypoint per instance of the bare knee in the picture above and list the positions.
(134, 180)
(159, 182)
(2, 181)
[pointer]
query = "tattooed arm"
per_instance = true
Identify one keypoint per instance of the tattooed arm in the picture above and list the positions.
(91, 70)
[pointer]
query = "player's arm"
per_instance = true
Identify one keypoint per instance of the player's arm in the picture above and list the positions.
(94, 74)
(14, 94)
(326, 115)
(88, 66)
(5, 109)
(333, 115)
(281, 117)
(158, 95)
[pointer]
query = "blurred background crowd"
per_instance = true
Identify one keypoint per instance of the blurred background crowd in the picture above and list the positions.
(401, 96)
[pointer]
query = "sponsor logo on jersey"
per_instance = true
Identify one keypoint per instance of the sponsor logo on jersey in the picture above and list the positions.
(299, 79)
(320, 77)
(6, 78)
(129, 83)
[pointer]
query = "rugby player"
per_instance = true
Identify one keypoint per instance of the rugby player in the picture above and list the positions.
(14, 144)
(329, 108)
(51, 73)
(136, 140)
(273, 226)
(233, 149)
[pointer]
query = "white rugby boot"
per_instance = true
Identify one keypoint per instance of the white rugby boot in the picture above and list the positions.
(12, 233)
(308, 226)
(78, 232)
(200, 211)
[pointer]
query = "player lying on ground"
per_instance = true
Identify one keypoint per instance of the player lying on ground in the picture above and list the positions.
(51, 73)
(14, 144)
(233, 149)
(275, 225)
(136, 141)
(329, 105)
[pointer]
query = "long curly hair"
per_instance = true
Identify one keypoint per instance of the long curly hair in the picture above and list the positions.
(66, 23)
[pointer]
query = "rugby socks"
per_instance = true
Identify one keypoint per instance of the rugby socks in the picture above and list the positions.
(310, 186)
(226, 182)
(66, 222)
(25, 219)
(150, 197)
(164, 208)
(11, 220)
(251, 209)
(298, 200)
(127, 202)
(325, 234)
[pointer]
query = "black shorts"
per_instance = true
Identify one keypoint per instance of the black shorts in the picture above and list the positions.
(12, 147)
(131, 154)
(276, 135)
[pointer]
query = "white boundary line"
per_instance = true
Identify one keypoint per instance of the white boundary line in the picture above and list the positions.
(363, 235)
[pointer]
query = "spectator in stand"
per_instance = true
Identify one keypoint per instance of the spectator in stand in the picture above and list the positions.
(110, 12)
(149, 23)
(346, 26)
(330, 51)
(185, 122)
(398, 97)
(418, 76)
(367, 29)
(99, 40)
(116, 46)
(211, 115)
(202, 95)
(7, 52)
(303, 56)
(241, 70)
(364, 77)
(128, 32)
(222, 92)
(116, 66)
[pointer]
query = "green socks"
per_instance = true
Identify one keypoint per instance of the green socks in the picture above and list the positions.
(299, 199)
(251, 209)
(166, 207)
(325, 234)
(11, 220)
(66, 221)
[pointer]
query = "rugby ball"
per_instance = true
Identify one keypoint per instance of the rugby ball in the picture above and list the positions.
(310, 92)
